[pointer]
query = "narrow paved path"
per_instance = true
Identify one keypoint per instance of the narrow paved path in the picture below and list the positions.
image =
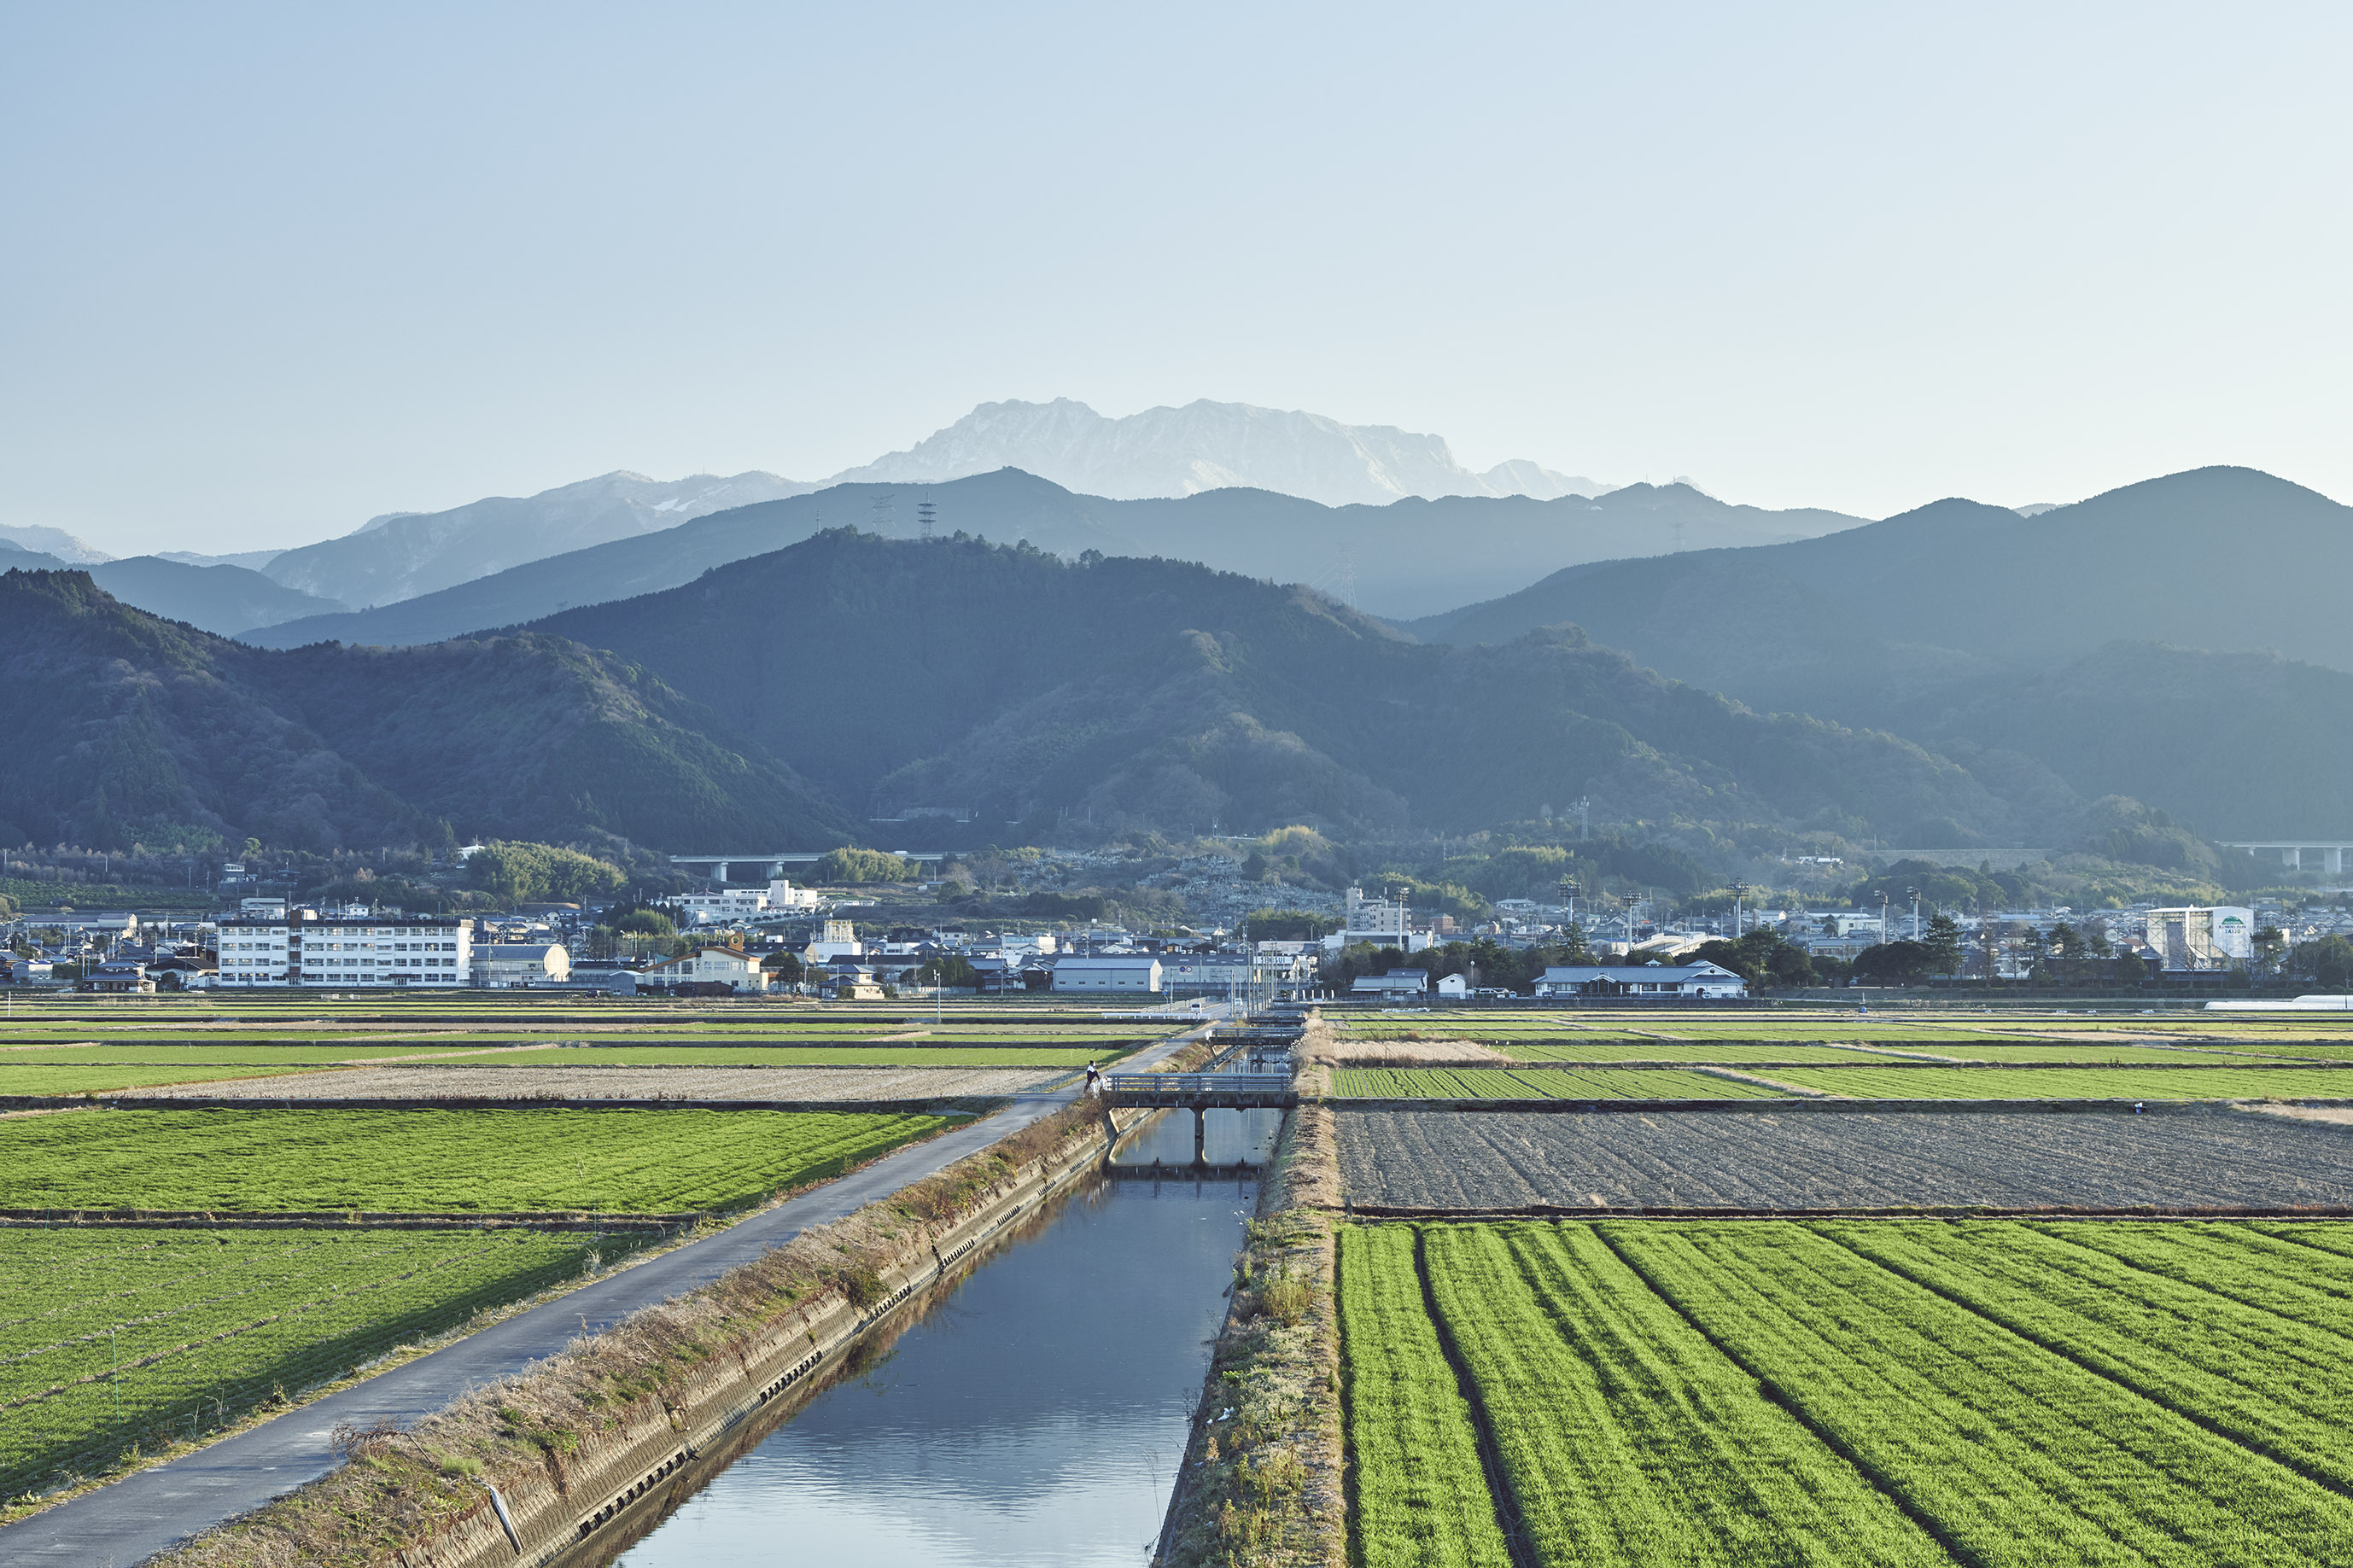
(131, 1520)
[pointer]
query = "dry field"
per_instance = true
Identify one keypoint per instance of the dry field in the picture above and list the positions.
(1812, 1160)
(911, 1083)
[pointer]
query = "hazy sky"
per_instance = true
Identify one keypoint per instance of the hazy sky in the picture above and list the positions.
(269, 270)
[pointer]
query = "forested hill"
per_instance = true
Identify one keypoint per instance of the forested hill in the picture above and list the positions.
(2229, 560)
(1157, 693)
(123, 728)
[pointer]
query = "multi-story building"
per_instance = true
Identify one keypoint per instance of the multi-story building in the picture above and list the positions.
(344, 952)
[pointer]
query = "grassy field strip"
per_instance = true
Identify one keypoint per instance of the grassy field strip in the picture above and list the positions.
(1050, 1056)
(432, 1162)
(2089, 1053)
(2075, 1083)
(207, 1324)
(2303, 1273)
(1541, 1083)
(2019, 1455)
(98, 1076)
(1691, 1054)
(1626, 1437)
(2273, 1386)
(1421, 1494)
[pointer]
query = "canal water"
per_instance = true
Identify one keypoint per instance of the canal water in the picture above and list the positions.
(1034, 1411)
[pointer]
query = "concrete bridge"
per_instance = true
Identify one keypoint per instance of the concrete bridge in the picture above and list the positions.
(2291, 851)
(716, 865)
(1198, 1092)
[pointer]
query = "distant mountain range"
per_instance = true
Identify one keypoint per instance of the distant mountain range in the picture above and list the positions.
(219, 598)
(55, 542)
(403, 554)
(786, 698)
(1161, 452)
(2181, 640)
(1407, 557)
(1205, 446)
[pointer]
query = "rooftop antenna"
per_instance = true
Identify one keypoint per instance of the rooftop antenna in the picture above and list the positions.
(926, 515)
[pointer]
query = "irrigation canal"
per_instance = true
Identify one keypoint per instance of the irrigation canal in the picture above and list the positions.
(1034, 1411)
(131, 1520)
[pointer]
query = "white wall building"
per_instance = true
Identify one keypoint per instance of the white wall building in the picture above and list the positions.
(502, 963)
(344, 953)
(731, 905)
(1127, 971)
(1644, 983)
(2201, 937)
(706, 965)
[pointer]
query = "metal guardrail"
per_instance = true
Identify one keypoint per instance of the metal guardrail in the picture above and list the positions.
(1196, 1089)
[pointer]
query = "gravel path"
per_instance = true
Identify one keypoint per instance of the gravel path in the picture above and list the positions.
(1445, 1159)
(630, 1083)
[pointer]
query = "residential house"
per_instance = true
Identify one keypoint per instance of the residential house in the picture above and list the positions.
(1644, 983)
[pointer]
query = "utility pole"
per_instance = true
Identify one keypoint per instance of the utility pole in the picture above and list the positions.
(1914, 894)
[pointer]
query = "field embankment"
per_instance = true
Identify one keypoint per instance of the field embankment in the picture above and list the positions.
(1263, 1480)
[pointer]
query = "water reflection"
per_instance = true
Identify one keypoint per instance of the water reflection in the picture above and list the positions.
(1230, 1137)
(1037, 1414)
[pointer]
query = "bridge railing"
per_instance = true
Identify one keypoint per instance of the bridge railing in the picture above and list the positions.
(1196, 1085)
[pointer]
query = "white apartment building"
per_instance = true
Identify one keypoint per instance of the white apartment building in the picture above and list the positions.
(729, 906)
(344, 952)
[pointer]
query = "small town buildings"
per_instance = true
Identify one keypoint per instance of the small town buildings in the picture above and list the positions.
(732, 906)
(1395, 983)
(1136, 971)
(508, 963)
(1644, 983)
(727, 966)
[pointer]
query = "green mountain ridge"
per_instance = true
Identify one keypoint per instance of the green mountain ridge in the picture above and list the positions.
(126, 725)
(1488, 542)
(1161, 694)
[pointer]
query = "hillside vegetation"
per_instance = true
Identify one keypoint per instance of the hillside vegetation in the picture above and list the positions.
(126, 726)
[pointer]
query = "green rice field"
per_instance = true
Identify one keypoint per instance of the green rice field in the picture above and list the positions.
(1542, 1083)
(2074, 1083)
(2009, 1395)
(432, 1162)
(115, 1336)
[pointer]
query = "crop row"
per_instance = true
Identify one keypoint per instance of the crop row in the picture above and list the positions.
(1999, 1393)
(2075, 1083)
(1541, 1083)
(438, 1162)
(120, 1337)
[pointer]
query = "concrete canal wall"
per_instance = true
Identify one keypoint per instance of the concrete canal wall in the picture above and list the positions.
(592, 1497)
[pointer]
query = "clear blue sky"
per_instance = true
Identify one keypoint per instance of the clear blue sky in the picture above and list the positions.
(268, 270)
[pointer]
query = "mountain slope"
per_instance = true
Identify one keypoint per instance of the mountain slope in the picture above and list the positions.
(1855, 624)
(1160, 693)
(1205, 446)
(2244, 746)
(401, 555)
(125, 727)
(51, 542)
(1405, 556)
(218, 598)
